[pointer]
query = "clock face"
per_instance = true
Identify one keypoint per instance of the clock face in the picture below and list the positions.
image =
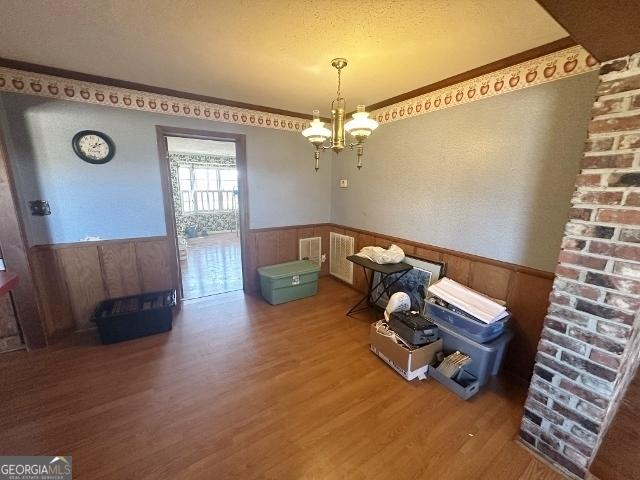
(93, 147)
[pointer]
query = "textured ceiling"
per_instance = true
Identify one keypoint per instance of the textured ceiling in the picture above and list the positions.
(275, 53)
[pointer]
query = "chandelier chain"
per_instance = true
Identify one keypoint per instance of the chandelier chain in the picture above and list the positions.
(360, 127)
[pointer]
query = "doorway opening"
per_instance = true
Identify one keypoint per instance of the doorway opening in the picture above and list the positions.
(206, 195)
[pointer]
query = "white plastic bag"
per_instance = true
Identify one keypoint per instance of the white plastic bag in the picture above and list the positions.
(380, 255)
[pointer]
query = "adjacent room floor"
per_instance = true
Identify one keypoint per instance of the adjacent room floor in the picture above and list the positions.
(242, 389)
(213, 265)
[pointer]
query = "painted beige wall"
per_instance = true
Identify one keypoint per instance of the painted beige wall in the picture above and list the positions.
(492, 177)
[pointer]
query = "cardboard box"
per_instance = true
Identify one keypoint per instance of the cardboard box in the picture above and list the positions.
(408, 363)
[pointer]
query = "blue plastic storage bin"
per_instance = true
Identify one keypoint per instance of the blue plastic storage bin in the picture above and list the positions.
(474, 329)
(486, 358)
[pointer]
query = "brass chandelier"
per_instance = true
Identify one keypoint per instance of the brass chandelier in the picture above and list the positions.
(360, 127)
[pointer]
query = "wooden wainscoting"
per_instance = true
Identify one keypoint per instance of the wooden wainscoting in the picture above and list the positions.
(267, 246)
(526, 290)
(72, 278)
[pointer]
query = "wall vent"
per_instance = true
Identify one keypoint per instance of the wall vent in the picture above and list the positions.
(310, 249)
(341, 246)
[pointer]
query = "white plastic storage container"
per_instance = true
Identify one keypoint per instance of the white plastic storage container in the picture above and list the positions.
(486, 358)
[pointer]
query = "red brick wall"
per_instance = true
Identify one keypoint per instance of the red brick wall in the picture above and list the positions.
(589, 345)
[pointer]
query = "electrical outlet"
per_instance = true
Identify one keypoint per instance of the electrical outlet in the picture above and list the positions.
(323, 258)
(344, 183)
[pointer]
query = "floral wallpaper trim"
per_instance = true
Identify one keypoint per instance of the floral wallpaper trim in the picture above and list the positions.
(555, 66)
(220, 221)
(203, 158)
(19, 81)
(211, 222)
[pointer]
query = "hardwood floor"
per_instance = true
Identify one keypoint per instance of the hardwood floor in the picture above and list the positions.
(212, 266)
(242, 389)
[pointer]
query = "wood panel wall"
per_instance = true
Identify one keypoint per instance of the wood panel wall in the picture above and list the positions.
(276, 245)
(72, 278)
(525, 290)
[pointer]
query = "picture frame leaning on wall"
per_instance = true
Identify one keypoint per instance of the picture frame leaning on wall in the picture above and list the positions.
(414, 283)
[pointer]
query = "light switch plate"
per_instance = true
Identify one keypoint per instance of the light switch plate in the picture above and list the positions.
(39, 207)
(344, 183)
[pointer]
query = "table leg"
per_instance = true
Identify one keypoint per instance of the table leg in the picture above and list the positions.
(358, 307)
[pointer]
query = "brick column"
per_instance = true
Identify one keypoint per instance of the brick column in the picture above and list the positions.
(589, 345)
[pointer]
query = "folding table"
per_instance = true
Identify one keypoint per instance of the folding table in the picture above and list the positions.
(384, 270)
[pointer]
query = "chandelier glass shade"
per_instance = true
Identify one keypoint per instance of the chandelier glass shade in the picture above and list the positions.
(360, 127)
(317, 133)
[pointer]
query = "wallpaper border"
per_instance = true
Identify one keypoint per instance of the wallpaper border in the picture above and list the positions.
(18, 81)
(547, 68)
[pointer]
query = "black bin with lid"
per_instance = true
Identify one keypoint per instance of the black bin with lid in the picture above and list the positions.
(126, 318)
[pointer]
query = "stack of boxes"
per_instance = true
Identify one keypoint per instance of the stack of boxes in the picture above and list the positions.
(458, 331)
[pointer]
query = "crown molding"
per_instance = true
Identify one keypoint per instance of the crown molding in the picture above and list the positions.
(506, 62)
(553, 61)
(141, 87)
(452, 92)
(50, 86)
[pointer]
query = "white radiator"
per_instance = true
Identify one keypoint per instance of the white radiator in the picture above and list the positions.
(340, 247)
(310, 249)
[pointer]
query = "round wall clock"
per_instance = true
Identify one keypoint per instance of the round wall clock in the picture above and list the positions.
(93, 147)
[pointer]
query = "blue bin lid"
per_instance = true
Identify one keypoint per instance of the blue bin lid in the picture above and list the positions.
(495, 344)
(282, 270)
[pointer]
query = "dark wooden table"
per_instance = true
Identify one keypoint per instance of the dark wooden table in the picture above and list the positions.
(384, 270)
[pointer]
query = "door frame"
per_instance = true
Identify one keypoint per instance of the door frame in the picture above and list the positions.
(240, 141)
(26, 301)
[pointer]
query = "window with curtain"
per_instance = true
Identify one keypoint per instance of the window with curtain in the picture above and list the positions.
(208, 189)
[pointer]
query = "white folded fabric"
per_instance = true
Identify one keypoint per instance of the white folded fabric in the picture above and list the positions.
(380, 255)
(469, 300)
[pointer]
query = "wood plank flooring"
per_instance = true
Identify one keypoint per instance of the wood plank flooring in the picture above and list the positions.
(212, 265)
(242, 389)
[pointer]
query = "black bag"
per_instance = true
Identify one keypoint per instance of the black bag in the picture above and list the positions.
(413, 328)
